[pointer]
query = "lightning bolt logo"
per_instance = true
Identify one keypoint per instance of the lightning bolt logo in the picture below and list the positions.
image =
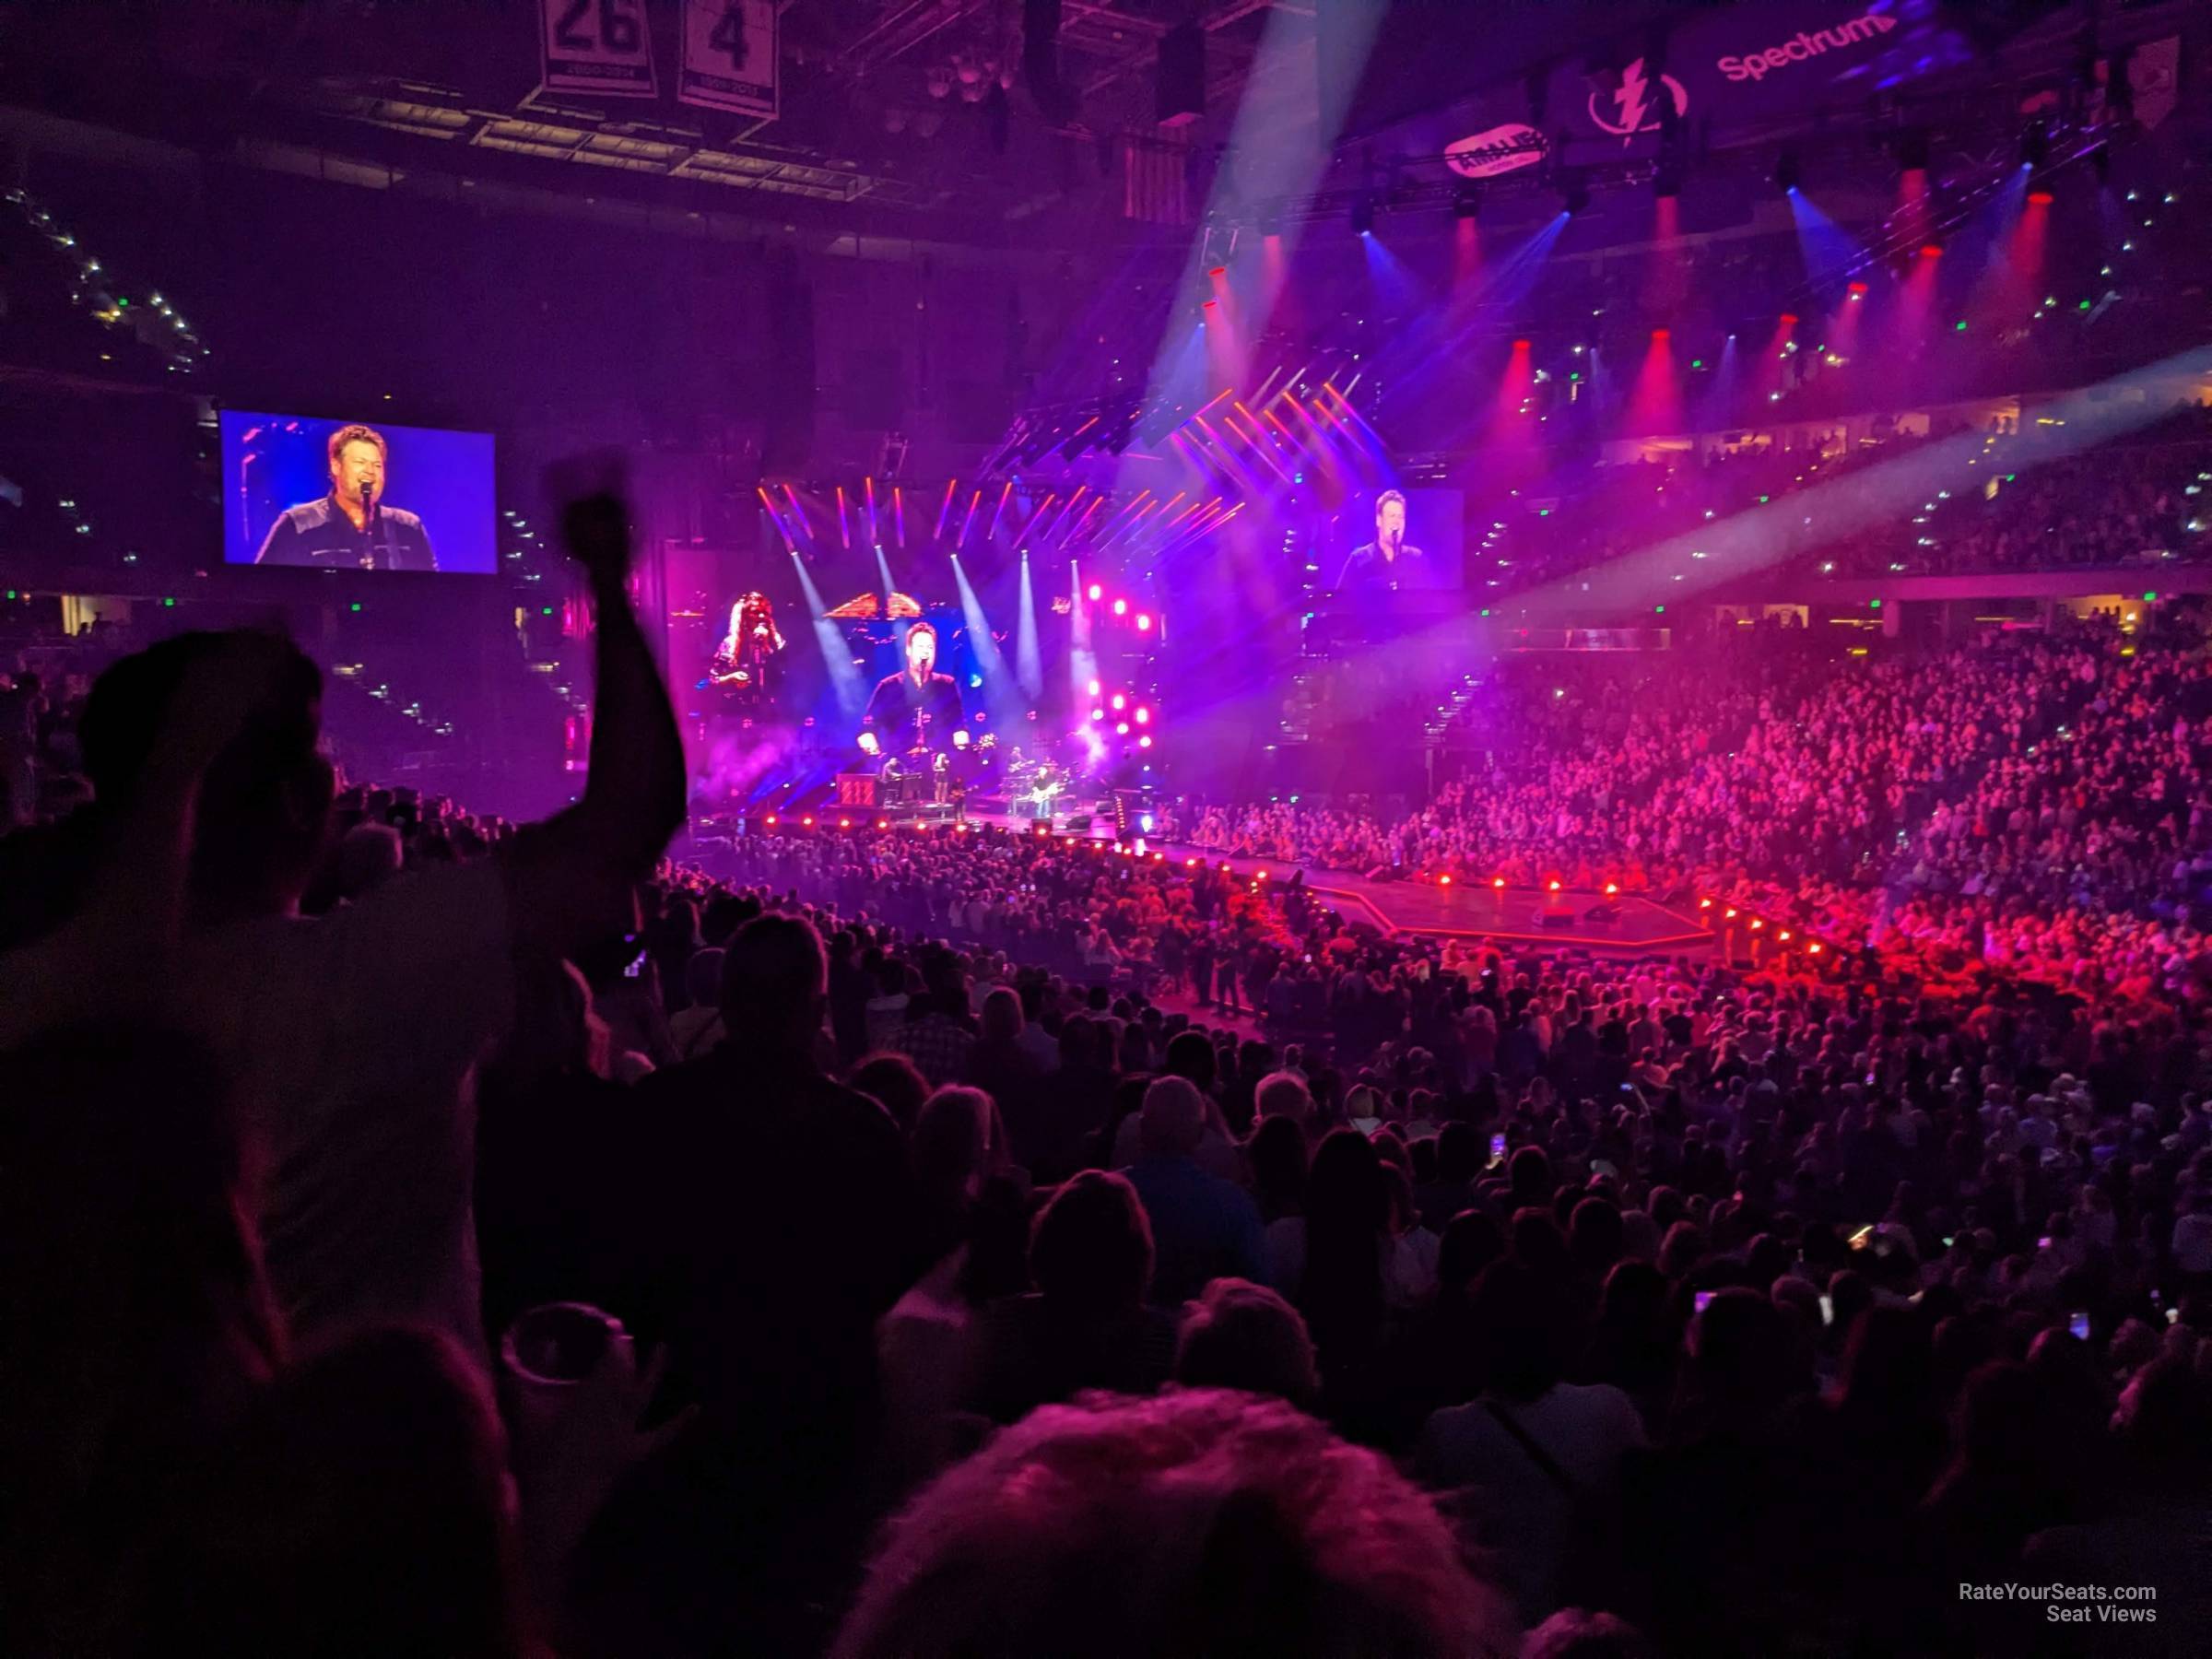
(1630, 100)
(1636, 103)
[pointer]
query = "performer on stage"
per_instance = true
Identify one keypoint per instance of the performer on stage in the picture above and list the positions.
(1387, 563)
(351, 526)
(916, 707)
(745, 659)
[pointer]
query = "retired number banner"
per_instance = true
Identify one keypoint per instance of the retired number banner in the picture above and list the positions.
(597, 46)
(730, 57)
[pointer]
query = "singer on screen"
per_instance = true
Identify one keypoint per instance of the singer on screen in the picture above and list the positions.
(1389, 564)
(350, 527)
(916, 709)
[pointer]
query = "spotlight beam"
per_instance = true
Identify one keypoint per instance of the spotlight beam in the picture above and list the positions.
(1029, 661)
(799, 511)
(988, 660)
(883, 569)
(1068, 534)
(837, 655)
(1807, 521)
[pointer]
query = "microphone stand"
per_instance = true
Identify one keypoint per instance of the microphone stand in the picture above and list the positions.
(368, 528)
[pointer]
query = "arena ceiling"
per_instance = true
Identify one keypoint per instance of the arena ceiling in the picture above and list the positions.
(913, 117)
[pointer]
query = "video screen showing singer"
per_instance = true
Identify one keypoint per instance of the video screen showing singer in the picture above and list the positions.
(743, 662)
(1389, 564)
(352, 527)
(917, 708)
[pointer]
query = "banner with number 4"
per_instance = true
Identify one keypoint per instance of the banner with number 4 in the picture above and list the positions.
(730, 57)
(598, 46)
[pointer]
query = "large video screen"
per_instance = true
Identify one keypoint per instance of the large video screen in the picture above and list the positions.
(356, 495)
(1396, 541)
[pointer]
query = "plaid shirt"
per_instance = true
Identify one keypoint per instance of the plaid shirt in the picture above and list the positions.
(938, 1045)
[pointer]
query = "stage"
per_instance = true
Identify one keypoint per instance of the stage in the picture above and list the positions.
(1513, 915)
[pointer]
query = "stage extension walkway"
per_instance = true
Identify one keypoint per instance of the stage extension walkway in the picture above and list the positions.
(1510, 915)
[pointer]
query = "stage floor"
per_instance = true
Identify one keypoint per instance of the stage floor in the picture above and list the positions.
(1515, 915)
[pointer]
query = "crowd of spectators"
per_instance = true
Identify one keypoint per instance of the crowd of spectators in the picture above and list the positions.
(2026, 802)
(2013, 501)
(423, 1234)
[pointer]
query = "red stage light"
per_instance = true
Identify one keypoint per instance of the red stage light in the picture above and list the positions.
(1612, 887)
(1211, 303)
(1120, 607)
(1144, 717)
(1144, 742)
(844, 823)
(1705, 904)
(1662, 333)
(1444, 881)
(1789, 319)
(1097, 593)
(1730, 914)
(1930, 251)
(1857, 287)
(2041, 198)
(1813, 948)
(1555, 885)
(807, 823)
(1520, 345)
(1785, 935)
(1498, 882)
(1120, 702)
(1219, 271)
(1757, 923)
(883, 823)
(1143, 619)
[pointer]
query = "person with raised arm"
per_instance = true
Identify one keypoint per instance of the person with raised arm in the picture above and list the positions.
(350, 1039)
